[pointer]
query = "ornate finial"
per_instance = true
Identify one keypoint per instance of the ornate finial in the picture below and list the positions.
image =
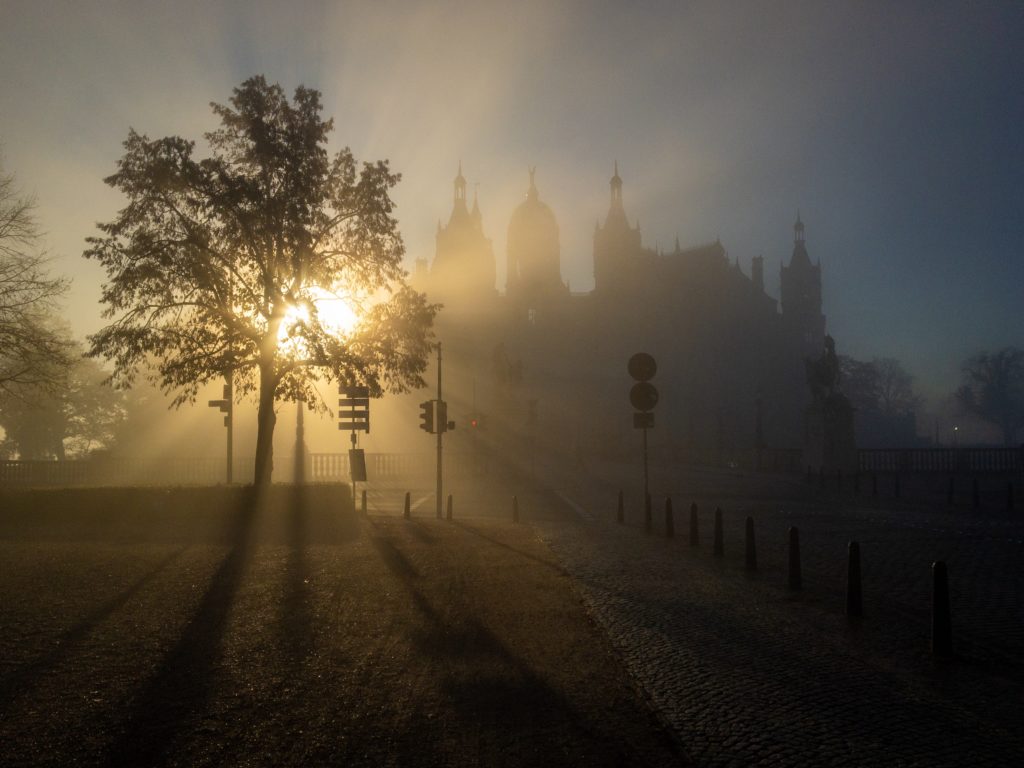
(616, 167)
(532, 193)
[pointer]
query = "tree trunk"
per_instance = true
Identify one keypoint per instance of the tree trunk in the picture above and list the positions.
(265, 420)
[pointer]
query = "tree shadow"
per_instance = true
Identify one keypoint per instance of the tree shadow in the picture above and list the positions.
(23, 679)
(295, 622)
(181, 686)
(477, 532)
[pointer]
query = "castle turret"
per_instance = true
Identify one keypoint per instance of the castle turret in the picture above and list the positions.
(801, 297)
(463, 272)
(614, 243)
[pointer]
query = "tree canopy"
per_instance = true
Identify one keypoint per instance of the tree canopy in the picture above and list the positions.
(993, 389)
(236, 264)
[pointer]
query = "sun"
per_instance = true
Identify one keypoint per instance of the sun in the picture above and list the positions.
(335, 313)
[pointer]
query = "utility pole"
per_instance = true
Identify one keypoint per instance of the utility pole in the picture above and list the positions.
(229, 395)
(440, 433)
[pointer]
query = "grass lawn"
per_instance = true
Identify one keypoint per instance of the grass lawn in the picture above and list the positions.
(197, 627)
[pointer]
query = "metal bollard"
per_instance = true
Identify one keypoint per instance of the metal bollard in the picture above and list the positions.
(694, 532)
(751, 547)
(448, 512)
(515, 509)
(854, 603)
(942, 624)
(795, 577)
(670, 526)
(408, 506)
(648, 521)
(719, 548)
(363, 503)
(620, 512)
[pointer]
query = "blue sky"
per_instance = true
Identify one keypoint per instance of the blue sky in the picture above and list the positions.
(896, 129)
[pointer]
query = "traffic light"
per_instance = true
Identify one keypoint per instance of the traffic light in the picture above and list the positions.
(427, 416)
(224, 405)
(442, 416)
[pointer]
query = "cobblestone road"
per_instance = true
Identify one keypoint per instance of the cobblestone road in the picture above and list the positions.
(748, 673)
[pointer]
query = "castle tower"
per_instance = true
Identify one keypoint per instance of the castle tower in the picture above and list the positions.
(463, 272)
(534, 269)
(801, 298)
(615, 242)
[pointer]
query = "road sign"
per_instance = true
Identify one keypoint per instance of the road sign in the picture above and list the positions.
(643, 396)
(642, 367)
(643, 420)
(350, 418)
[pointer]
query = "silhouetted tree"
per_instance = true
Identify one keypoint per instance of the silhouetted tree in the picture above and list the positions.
(71, 420)
(993, 389)
(31, 354)
(880, 386)
(220, 266)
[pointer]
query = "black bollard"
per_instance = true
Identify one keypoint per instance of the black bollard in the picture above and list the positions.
(648, 521)
(874, 484)
(620, 512)
(694, 531)
(363, 503)
(942, 624)
(795, 578)
(976, 491)
(670, 525)
(448, 513)
(408, 506)
(751, 559)
(1009, 496)
(949, 490)
(515, 507)
(896, 486)
(854, 605)
(719, 548)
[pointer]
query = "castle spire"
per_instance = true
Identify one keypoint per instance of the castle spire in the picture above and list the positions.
(460, 186)
(532, 193)
(798, 229)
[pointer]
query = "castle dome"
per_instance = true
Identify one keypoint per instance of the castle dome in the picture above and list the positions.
(533, 248)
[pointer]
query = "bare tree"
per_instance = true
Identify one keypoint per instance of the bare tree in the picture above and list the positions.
(32, 355)
(993, 389)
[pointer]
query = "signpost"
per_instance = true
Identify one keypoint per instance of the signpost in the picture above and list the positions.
(643, 396)
(354, 415)
(226, 406)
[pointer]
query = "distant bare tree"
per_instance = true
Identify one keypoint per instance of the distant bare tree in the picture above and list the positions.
(32, 355)
(882, 386)
(993, 389)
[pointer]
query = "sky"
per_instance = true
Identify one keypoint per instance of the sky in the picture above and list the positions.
(896, 129)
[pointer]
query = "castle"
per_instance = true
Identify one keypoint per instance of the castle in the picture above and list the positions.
(540, 361)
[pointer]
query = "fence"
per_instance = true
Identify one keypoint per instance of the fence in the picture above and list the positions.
(943, 460)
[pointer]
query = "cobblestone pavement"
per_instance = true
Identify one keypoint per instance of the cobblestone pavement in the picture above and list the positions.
(748, 673)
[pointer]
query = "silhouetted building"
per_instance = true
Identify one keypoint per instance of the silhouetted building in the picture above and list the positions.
(549, 365)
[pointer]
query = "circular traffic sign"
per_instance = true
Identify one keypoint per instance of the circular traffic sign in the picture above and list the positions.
(642, 366)
(643, 396)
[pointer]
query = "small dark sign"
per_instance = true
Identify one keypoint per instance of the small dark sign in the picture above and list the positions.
(642, 367)
(357, 464)
(643, 420)
(643, 396)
